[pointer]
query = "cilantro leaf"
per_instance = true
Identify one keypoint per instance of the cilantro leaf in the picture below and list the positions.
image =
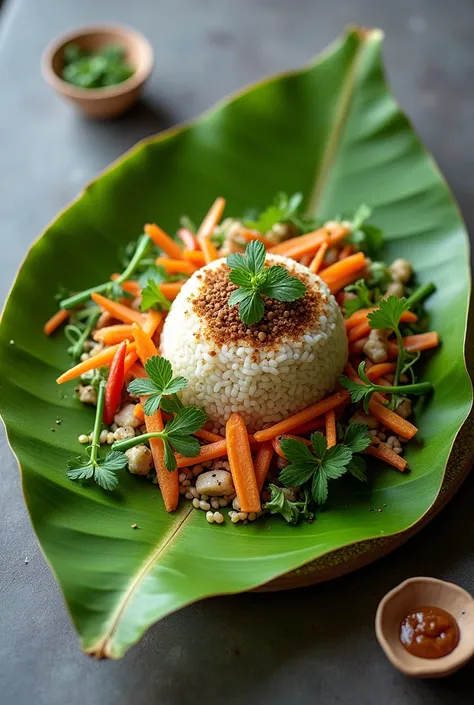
(319, 443)
(160, 382)
(153, 297)
(80, 468)
(295, 451)
(363, 297)
(141, 387)
(152, 404)
(159, 370)
(170, 460)
(388, 314)
(295, 475)
(357, 390)
(368, 238)
(357, 468)
(186, 445)
(280, 504)
(171, 405)
(335, 461)
(319, 487)
(188, 420)
(155, 273)
(281, 210)
(356, 437)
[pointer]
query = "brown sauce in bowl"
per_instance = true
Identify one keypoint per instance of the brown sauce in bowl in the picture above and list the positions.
(429, 632)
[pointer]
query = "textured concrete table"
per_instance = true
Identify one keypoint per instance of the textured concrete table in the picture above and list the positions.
(316, 645)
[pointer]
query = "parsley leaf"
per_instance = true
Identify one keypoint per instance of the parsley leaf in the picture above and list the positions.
(153, 297)
(160, 382)
(291, 511)
(281, 210)
(254, 280)
(101, 469)
(356, 437)
(388, 314)
(363, 297)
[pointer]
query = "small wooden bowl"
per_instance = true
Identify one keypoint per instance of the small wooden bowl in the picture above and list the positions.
(110, 101)
(428, 592)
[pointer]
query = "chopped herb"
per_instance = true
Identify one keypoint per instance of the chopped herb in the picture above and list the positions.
(254, 280)
(363, 297)
(152, 297)
(160, 382)
(291, 511)
(281, 211)
(368, 238)
(102, 470)
(95, 70)
(387, 317)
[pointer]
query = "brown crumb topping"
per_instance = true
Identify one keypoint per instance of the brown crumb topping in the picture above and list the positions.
(282, 319)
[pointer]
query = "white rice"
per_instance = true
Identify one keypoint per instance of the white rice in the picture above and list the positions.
(263, 384)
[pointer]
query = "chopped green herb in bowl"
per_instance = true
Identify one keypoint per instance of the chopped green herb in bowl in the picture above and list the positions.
(100, 69)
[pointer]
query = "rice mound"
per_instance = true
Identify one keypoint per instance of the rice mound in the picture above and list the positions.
(265, 383)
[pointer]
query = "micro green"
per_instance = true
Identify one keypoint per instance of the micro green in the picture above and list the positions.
(254, 280)
(103, 470)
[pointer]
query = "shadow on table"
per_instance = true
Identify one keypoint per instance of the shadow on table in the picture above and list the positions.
(232, 648)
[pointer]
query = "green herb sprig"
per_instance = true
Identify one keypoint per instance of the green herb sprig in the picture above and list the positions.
(177, 435)
(101, 469)
(159, 385)
(153, 297)
(95, 69)
(107, 287)
(254, 280)
(280, 211)
(313, 468)
(387, 317)
(291, 511)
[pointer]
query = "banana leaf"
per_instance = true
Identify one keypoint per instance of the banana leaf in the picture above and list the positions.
(332, 131)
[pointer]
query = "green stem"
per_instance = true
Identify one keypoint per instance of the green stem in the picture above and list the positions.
(421, 294)
(401, 351)
(130, 442)
(78, 347)
(95, 445)
(83, 296)
(417, 388)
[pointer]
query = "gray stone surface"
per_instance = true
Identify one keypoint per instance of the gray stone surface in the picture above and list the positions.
(311, 646)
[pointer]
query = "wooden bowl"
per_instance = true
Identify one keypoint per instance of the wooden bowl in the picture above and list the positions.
(431, 592)
(110, 101)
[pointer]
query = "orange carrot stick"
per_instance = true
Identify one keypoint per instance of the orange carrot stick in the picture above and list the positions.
(362, 315)
(310, 426)
(339, 284)
(422, 341)
(277, 447)
(315, 264)
(145, 345)
(55, 321)
(153, 321)
(311, 412)
(167, 481)
(209, 452)
(123, 313)
(383, 452)
(102, 359)
(114, 334)
(139, 412)
(130, 360)
(306, 259)
(249, 235)
(380, 370)
(262, 463)
(361, 330)
(137, 370)
(341, 269)
(173, 266)
(241, 464)
(331, 436)
(208, 436)
(312, 240)
(171, 289)
(207, 228)
(345, 252)
(391, 420)
(195, 256)
(164, 241)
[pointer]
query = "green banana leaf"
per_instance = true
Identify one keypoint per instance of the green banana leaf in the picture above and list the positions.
(332, 131)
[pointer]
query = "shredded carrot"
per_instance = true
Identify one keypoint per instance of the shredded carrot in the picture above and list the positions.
(167, 481)
(208, 436)
(330, 419)
(311, 412)
(164, 241)
(171, 289)
(102, 359)
(139, 413)
(130, 286)
(262, 462)
(422, 341)
(145, 345)
(55, 321)
(301, 245)
(207, 228)
(123, 313)
(130, 360)
(114, 334)
(380, 370)
(383, 452)
(209, 452)
(391, 420)
(173, 266)
(137, 370)
(249, 235)
(345, 252)
(241, 464)
(362, 315)
(344, 268)
(316, 262)
(195, 256)
(361, 330)
(277, 447)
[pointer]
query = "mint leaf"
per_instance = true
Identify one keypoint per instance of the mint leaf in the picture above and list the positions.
(239, 262)
(356, 437)
(281, 286)
(251, 309)
(255, 253)
(152, 297)
(239, 295)
(387, 316)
